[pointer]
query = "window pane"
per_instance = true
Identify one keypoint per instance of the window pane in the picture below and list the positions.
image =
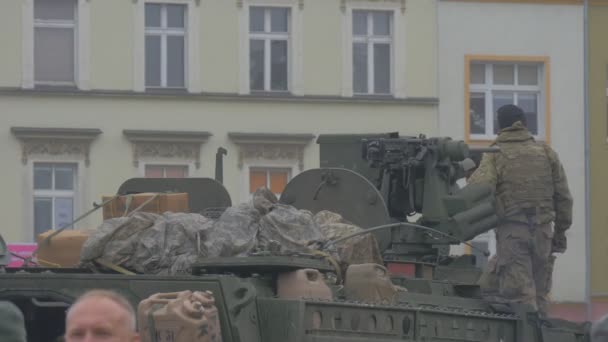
(360, 23)
(54, 9)
(43, 211)
(477, 111)
(529, 104)
(278, 181)
(43, 176)
(278, 55)
(478, 74)
(499, 100)
(504, 74)
(54, 54)
(257, 179)
(382, 68)
(152, 61)
(527, 74)
(360, 68)
(64, 178)
(176, 16)
(382, 23)
(175, 61)
(279, 20)
(256, 19)
(256, 64)
(176, 171)
(64, 212)
(153, 15)
(153, 171)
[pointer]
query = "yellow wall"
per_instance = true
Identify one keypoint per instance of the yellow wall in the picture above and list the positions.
(219, 46)
(111, 154)
(322, 71)
(421, 48)
(10, 43)
(111, 44)
(598, 64)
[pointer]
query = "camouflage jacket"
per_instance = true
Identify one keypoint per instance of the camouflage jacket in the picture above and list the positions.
(551, 196)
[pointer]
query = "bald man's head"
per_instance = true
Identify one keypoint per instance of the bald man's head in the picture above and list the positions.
(101, 315)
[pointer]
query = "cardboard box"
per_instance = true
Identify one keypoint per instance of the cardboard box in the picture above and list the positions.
(176, 203)
(63, 249)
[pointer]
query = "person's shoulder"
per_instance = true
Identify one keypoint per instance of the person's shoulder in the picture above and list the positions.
(12, 324)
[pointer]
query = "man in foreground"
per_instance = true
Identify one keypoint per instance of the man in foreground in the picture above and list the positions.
(101, 315)
(531, 192)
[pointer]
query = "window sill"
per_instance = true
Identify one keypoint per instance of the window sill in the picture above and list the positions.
(170, 91)
(56, 87)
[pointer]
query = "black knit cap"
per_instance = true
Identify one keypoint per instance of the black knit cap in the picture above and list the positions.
(510, 114)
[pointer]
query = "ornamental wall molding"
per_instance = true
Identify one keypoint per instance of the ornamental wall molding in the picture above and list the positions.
(55, 141)
(270, 146)
(166, 144)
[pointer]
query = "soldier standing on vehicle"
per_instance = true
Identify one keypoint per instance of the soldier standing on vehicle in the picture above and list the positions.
(101, 315)
(531, 192)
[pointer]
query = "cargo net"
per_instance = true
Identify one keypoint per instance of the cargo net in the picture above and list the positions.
(170, 243)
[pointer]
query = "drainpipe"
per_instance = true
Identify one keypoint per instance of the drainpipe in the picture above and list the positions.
(587, 161)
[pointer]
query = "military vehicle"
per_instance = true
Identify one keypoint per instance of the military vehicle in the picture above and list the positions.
(401, 189)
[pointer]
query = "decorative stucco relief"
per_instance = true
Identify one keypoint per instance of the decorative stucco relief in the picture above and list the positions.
(54, 148)
(272, 152)
(190, 151)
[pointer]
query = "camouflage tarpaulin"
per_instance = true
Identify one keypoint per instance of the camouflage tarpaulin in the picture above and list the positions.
(172, 242)
(361, 249)
(149, 243)
(234, 233)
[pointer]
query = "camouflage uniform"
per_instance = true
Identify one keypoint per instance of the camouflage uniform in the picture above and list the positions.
(531, 192)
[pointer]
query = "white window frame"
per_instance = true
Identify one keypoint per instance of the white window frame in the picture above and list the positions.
(164, 33)
(165, 162)
(398, 46)
(81, 25)
(53, 193)
(369, 40)
(294, 46)
(488, 88)
(267, 164)
(80, 191)
(192, 80)
(268, 37)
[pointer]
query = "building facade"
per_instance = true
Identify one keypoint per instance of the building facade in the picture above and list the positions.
(597, 57)
(93, 92)
(529, 53)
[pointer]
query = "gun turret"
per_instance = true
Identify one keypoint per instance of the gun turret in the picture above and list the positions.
(414, 181)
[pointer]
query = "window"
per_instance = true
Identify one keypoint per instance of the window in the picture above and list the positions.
(166, 171)
(269, 48)
(492, 85)
(372, 50)
(165, 45)
(54, 41)
(54, 195)
(274, 179)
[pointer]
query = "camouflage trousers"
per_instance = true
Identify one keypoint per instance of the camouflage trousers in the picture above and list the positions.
(524, 263)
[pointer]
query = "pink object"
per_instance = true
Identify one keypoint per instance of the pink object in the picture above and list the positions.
(22, 249)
